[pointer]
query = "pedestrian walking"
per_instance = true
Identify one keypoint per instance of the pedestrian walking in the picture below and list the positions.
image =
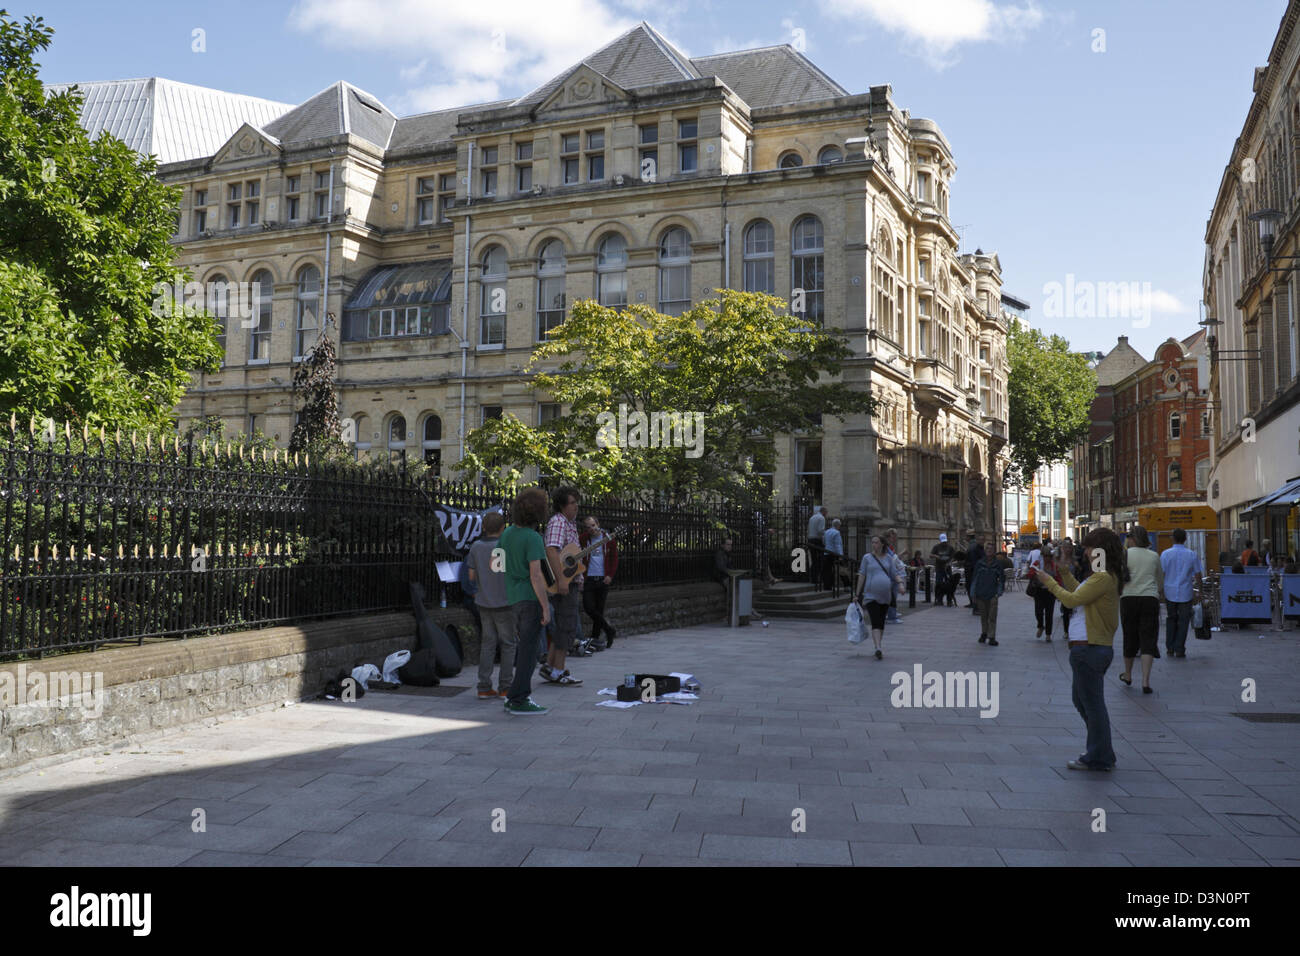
(900, 572)
(1139, 608)
(834, 542)
(816, 545)
(876, 584)
(1042, 559)
(944, 585)
(987, 585)
(1182, 568)
(1089, 659)
(1068, 556)
(974, 555)
(526, 591)
(497, 620)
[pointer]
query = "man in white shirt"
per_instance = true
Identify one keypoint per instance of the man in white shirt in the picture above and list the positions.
(816, 545)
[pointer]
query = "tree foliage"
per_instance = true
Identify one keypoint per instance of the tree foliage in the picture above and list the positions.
(85, 231)
(318, 428)
(752, 371)
(1050, 391)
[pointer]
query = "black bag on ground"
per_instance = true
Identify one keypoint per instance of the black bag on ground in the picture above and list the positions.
(421, 670)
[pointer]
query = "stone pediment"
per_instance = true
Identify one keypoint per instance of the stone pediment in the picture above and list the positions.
(248, 144)
(584, 87)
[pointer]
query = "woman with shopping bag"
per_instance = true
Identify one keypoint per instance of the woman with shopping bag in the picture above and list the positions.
(874, 588)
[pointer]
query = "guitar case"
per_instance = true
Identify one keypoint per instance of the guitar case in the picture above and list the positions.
(447, 653)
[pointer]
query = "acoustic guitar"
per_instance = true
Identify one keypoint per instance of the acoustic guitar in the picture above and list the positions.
(570, 562)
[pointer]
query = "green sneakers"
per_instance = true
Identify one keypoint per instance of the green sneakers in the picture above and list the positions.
(526, 709)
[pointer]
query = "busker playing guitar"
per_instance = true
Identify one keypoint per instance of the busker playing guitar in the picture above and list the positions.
(562, 531)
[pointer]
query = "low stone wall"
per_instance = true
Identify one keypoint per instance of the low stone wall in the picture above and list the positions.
(78, 703)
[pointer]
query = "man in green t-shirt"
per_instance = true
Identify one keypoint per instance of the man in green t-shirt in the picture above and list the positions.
(526, 594)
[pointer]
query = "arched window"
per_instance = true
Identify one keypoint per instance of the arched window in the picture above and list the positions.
(674, 272)
(1175, 476)
(790, 160)
(259, 336)
(363, 435)
(830, 154)
(397, 439)
(550, 288)
(611, 271)
(1202, 474)
(218, 304)
(492, 298)
(760, 257)
(808, 267)
(432, 443)
(1175, 425)
(307, 309)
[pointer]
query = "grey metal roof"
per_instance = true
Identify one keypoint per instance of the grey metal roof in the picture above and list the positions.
(173, 121)
(641, 57)
(341, 108)
(771, 76)
(409, 284)
(427, 129)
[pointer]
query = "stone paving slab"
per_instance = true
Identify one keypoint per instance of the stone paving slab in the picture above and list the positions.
(804, 762)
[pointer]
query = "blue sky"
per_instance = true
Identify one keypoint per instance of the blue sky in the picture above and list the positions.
(1073, 160)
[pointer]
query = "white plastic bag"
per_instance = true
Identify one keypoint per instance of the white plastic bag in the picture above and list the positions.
(391, 663)
(853, 623)
(1198, 616)
(364, 673)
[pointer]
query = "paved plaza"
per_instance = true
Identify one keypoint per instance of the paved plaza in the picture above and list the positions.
(791, 718)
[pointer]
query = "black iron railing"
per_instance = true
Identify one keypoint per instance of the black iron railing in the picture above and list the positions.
(122, 539)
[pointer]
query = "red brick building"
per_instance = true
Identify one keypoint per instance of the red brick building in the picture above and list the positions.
(1163, 431)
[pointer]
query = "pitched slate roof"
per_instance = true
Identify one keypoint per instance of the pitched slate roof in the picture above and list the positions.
(426, 129)
(335, 110)
(641, 57)
(771, 76)
(173, 121)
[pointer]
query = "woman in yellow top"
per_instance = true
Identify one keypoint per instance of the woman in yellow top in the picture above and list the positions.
(1089, 660)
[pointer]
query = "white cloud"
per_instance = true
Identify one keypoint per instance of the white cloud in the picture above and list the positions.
(936, 28)
(478, 57)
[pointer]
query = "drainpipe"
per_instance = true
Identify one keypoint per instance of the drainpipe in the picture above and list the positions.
(464, 339)
(325, 285)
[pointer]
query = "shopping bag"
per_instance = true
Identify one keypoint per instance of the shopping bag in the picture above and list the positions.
(392, 662)
(853, 623)
(1198, 616)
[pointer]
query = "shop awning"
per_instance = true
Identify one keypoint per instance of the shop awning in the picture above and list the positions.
(1284, 497)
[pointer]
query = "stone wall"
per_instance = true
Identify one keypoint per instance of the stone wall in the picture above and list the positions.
(145, 691)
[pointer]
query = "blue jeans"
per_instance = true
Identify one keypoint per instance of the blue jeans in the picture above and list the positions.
(1089, 662)
(528, 628)
(1176, 624)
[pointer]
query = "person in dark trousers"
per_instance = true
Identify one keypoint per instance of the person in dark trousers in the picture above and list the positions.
(602, 564)
(986, 584)
(834, 542)
(944, 586)
(974, 555)
(1042, 559)
(562, 531)
(900, 571)
(526, 592)
(1139, 608)
(1099, 597)
(816, 545)
(1067, 557)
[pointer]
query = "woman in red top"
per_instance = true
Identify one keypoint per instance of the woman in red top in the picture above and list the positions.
(602, 564)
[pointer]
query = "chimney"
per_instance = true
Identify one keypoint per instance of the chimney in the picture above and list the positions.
(1123, 340)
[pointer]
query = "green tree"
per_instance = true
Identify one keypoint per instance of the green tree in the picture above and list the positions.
(1050, 391)
(318, 430)
(750, 369)
(85, 248)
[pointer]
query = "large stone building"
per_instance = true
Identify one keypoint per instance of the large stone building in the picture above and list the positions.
(447, 244)
(1252, 240)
